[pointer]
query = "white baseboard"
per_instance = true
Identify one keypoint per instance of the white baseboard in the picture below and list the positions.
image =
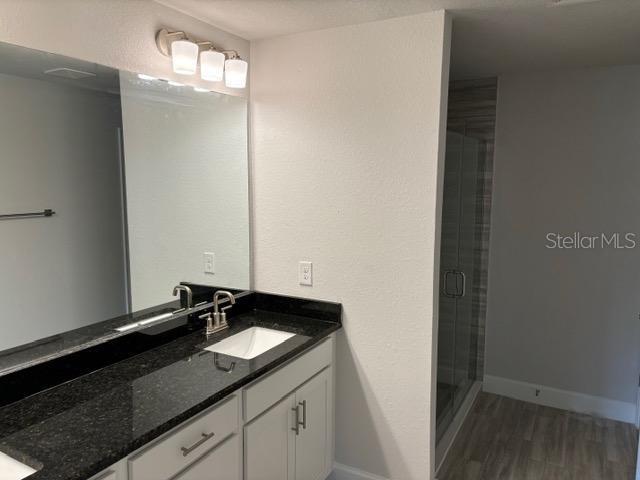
(564, 399)
(443, 446)
(344, 472)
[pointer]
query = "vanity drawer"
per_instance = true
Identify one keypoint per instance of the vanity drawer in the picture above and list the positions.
(186, 444)
(267, 392)
(222, 463)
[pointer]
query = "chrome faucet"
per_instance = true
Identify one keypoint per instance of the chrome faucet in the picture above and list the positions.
(187, 290)
(218, 321)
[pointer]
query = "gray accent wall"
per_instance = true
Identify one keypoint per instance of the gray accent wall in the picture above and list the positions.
(566, 160)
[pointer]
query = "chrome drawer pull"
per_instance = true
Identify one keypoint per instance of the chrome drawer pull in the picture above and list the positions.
(304, 414)
(187, 450)
(296, 417)
(296, 422)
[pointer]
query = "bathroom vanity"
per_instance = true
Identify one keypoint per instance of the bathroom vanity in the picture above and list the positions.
(104, 373)
(183, 411)
(284, 421)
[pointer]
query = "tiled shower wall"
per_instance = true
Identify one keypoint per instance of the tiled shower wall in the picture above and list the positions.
(472, 112)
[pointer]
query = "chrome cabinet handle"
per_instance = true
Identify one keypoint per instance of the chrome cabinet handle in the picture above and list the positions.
(187, 450)
(296, 421)
(304, 414)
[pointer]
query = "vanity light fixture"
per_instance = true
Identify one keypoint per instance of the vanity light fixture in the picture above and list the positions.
(235, 73)
(212, 65)
(184, 55)
(215, 64)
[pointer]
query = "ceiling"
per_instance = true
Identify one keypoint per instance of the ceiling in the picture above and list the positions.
(490, 37)
(256, 19)
(38, 65)
(487, 43)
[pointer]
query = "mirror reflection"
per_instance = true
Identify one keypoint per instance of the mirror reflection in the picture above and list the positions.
(147, 184)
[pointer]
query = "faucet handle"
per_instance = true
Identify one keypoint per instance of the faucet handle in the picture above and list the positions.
(212, 325)
(223, 315)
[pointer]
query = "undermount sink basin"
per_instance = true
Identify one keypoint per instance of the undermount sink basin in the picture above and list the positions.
(250, 342)
(11, 469)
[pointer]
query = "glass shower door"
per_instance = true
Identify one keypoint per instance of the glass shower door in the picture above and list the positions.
(456, 339)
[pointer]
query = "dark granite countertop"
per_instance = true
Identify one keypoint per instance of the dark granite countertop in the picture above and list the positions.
(79, 428)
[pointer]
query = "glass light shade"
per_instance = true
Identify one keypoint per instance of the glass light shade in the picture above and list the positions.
(212, 65)
(184, 55)
(235, 73)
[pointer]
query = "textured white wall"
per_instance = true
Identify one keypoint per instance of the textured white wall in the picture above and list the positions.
(116, 33)
(346, 136)
(566, 160)
(59, 151)
(187, 188)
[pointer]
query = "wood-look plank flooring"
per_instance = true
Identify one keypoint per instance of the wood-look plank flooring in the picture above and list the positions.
(506, 439)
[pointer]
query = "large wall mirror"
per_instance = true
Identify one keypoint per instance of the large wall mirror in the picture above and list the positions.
(147, 184)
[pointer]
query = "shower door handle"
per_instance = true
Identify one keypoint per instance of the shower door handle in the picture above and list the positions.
(445, 289)
(459, 292)
(464, 284)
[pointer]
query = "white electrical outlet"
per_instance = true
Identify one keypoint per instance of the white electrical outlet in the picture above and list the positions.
(209, 262)
(305, 273)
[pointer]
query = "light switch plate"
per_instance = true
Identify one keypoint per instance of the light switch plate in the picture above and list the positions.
(305, 273)
(209, 262)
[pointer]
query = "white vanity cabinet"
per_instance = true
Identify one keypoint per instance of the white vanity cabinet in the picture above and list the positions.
(267, 443)
(293, 439)
(312, 442)
(279, 427)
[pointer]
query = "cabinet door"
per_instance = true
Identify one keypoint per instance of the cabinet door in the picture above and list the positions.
(267, 443)
(312, 441)
(222, 463)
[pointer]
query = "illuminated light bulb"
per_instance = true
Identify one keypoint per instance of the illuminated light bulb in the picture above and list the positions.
(184, 55)
(212, 65)
(235, 73)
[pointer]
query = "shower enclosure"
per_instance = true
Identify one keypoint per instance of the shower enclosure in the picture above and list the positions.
(457, 335)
